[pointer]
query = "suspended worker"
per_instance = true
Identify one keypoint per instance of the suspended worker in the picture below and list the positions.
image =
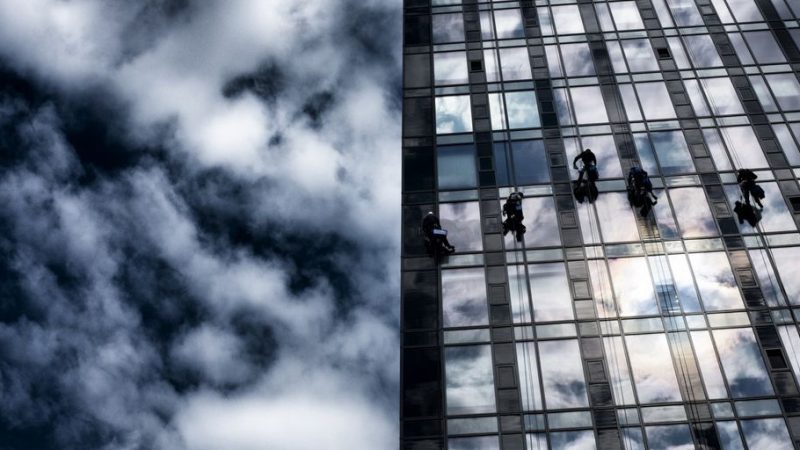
(589, 164)
(747, 183)
(435, 237)
(640, 188)
(745, 212)
(512, 209)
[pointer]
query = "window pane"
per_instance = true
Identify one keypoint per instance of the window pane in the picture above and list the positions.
(791, 342)
(589, 106)
(604, 17)
(786, 89)
(632, 287)
(682, 274)
(630, 103)
(469, 379)
(685, 13)
(702, 51)
(528, 370)
(743, 145)
(553, 61)
(652, 368)
(448, 28)
(474, 443)
(463, 224)
(545, 21)
(655, 99)
(522, 110)
(632, 439)
(577, 59)
(745, 11)
(567, 19)
(742, 362)
(530, 162)
(762, 91)
(777, 219)
(562, 374)
(518, 290)
(508, 23)
(450, 68)
(617, 59)
(621, 383)
(464, 298)
(453, 114)
(605, 149)
(767, 278)
(786, 261)
(764, 47)
(694, 215)
(639, 54)
(456, 166)
(491, 64)
(787, 143)
(515, 64)
(696, 97)
(550, 291)
(497, 111)
(487, 29)
(715, 280)
(646, 153)
(741, 49)
(722, 96)
(673, 152)
(573, 440)
(540, 217)
(766, 433)
(669, 437)
(626, 15)
(717, 149)
(616, 218)
(722, 11)
(601, 287)
(707, 359)
(676, 48)
(729, 436)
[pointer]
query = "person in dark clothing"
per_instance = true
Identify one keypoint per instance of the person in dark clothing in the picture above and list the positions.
(512, 209)
(589, 165)
(745, 212)
(747, 183)
(640, 188)
(435, 236)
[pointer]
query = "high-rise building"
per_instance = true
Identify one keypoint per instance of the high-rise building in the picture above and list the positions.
(602, 329)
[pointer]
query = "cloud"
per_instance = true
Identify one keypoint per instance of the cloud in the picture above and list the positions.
(199, 238)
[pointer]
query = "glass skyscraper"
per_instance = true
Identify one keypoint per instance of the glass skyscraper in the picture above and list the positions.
(602, 329)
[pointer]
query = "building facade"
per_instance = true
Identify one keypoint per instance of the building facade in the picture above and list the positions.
(602, 329)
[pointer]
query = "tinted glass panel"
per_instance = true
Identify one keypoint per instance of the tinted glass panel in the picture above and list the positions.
(669, 437)
(639, 54)
(573, 440)
(786, 90)
(743, 145)
(508, 23)
(621, 382)
(577, 59)
(694, 216)
(764, 47)
(655, 100)
(632, 287)
(766, 433)
(456, 166)
(464, 297)
(528, 370)
(515, 64)
(742, 363)
(767, 278)
(530, 162)
(722, 96)
(453, 114)
(567, 19)
(673, 152)
(729, 436)
(550, 291)
(562, 374)
(540, 217)
(474, 443)
(522, 110)
(652, 368)
(463, 224)
(745, 11)
(685, 13)
(589, 105)
(684, 285)
(450, 68)
(470, 383)
(626, 15)
(789, 270)
(702, 51)
(791, 342)
(616, 218)
(715, 281)
(448, 28)
(707, 359)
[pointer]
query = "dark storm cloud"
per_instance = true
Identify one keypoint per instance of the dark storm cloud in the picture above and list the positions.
(199, 234)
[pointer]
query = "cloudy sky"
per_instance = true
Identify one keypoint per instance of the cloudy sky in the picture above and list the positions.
(199, 208)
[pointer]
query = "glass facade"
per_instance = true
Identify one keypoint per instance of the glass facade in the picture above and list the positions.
(602, 329)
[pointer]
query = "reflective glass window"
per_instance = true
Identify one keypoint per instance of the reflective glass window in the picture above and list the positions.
(553, 61)
(515, 63)
(497, 112)
(646, 153)
(722, 96)
(655, 100)
(450, 68)
(632, 287)
(604, 16)
(456, 166)
(693, 213)
(715, 281)
(605, 149)
(766, 433)
(722, 11)
(741, 49)
(762, 91)
(743, 145)
(669, 437)
(678, 54)
(791, 342)
(632, 439)
(545, 21)
(784, 10)
(521, 109)
(617, 60)
(685, 13)
(487, 28)
(588, 104)
(778, 219)
(464, 297)
(550, 291)
(717, 149)
(491, 64)
(469, 379)
(448, 28)
(684, 285)
(786, 90)
(702, 51)
(540, 216)
(621, 382)
(453, 114)
(528, 370)
(577, 59)
(653, 373)
(590, 228)
(765, 48)
(617, 222)
(508, 23)
(729, 437)
(518, 290)
(463, 224)
(562, 374)
(787, 143)
(601, 289)
(474, 443)
(767, 278)
(673, 152)
(745, 11)
(567, 19)
(742, 362)
(626, 15)
(563, 108)
(666, 293)
(630, 102)
(709, 368)
(530, 162)
(639, 54)
(786, 261)
(574, 440)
